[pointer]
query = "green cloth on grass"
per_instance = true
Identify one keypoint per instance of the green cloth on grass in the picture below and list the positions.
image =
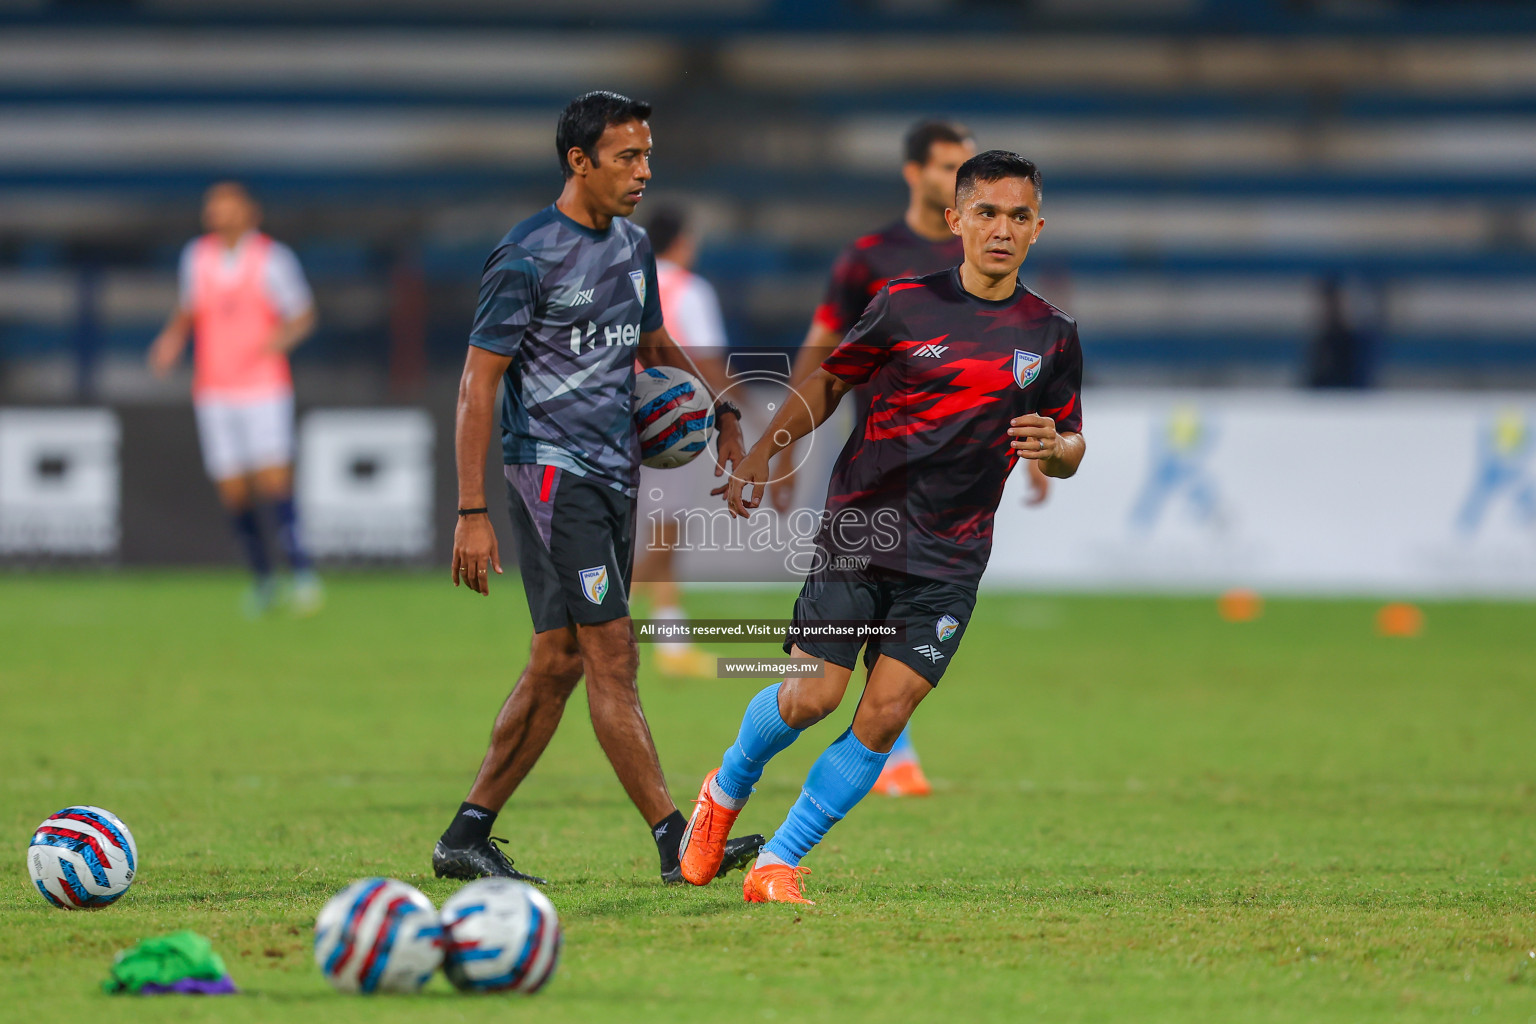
(165, 960)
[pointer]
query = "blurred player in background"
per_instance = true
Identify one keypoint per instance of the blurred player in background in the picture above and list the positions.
(568, 302)
(692, 314)
(919, 243)
(246, 305)
(944, 432)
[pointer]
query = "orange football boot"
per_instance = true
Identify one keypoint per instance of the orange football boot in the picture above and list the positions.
(903, 778)
(703, 845)
(775, 883)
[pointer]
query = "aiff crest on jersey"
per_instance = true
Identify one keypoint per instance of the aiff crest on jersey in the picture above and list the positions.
(1026, 367)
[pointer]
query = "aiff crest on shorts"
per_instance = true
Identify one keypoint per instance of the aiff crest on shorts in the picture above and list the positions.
(594, 583)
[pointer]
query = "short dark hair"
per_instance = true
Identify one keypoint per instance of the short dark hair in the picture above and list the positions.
(918, 145)
(995, 165)
(666, 226)
(585, 118)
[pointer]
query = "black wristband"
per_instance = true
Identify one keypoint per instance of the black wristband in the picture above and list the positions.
(723, 407)
(472, 511)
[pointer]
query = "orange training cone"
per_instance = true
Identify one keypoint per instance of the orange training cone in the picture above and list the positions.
(1240, 605)
(1400, 620)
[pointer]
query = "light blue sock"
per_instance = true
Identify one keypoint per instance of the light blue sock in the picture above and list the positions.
(763, 734)
(904, 750)
(840, 778)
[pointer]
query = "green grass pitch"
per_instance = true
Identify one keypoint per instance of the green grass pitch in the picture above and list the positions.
(1142, 813)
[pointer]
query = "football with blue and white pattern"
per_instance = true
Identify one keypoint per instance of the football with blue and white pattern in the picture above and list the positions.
(82, 858)
(502, 936)
(378, 935)
(673, 415)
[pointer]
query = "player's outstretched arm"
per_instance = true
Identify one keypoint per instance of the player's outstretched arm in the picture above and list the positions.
(819, 343)
(1034, 437)
(821, 392)
(170, 342)
(292, 332)
(474, 538)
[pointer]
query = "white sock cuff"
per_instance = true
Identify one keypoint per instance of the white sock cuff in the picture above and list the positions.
(719, 796)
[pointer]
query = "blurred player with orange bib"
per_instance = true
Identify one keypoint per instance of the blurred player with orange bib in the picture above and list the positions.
(246, 305)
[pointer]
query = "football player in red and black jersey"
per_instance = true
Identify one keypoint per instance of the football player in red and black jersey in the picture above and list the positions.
(917, 244)
(968, 372)
(920, 242)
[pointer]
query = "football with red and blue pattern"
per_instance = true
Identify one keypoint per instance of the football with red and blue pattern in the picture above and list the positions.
(673, 416)
(502, 936)
(378, 935)
(82, 858)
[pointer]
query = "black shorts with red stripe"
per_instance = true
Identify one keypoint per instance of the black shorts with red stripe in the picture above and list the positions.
(575, 543)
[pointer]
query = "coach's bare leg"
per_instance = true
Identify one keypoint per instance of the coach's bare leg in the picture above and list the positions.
(806, 700)
(893, 692)
(529, 717)
(611, 658)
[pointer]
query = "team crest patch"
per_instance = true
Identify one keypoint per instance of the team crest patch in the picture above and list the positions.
(594, 583)
(637, 278)
(1026, 367)
(946, 627)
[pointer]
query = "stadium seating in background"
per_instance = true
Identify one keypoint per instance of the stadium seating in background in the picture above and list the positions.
(1201, 187)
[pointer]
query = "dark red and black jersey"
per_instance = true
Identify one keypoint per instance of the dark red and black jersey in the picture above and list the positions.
(864, 267)
(917, 489)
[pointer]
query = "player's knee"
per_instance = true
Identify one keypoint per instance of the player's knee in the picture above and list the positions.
(610, 650)
(616, 673)
(556, 666)
(879, 733)
(804, 702)
(234, 493)
(565, 674)
(880, 720)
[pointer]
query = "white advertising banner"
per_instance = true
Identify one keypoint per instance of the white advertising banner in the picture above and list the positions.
(60, 482)
(1418, 493)
(364, 482)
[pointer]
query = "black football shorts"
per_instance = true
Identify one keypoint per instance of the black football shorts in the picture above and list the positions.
(575, 546)
(933, 613)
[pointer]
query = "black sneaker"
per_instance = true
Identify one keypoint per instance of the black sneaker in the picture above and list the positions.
(739, 853)
(476, 860)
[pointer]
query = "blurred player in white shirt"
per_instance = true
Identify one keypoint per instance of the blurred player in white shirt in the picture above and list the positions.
(245, 305)
(692, 314)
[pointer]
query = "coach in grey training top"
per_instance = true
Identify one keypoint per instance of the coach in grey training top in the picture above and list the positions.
(567, 305)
